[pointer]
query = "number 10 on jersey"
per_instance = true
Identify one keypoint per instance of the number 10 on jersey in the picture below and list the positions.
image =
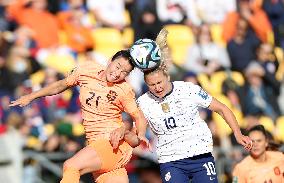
(170, 123)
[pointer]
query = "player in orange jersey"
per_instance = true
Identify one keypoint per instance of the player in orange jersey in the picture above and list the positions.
(261, 166)
(104, 95)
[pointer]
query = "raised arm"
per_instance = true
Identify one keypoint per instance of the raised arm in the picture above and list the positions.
(230, 119)
(134, 137)
(139, 129)
(52, 89)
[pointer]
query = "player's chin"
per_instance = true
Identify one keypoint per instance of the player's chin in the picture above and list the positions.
(112, 80)
(159, 94)
(254, 153)
(117, 80)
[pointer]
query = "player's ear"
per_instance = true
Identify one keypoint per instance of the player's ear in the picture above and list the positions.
(169, 78)
(266, 143)
(109, 62)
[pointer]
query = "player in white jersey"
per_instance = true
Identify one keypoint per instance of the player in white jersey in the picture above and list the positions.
(184, 140)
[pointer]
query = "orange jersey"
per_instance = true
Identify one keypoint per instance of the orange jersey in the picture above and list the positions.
(270, 171)
(101, 102)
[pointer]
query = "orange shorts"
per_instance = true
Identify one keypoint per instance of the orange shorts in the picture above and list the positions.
(111, 158)
(105, 177)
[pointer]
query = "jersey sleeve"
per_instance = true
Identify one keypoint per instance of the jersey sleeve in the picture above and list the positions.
(238, 175)
(128, 101)
(199, 95)
(72, 78)
(281, 157)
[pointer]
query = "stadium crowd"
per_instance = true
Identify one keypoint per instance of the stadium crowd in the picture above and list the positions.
(232, 48)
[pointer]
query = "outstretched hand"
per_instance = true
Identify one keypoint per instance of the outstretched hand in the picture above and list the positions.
(22, 101)
(116, 135)
(245, 141)
(143, 140)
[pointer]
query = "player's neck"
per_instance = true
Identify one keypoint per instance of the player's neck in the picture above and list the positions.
(168, 89)
(262, 158)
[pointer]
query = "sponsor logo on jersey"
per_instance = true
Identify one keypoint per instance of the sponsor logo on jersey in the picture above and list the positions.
(168, 176)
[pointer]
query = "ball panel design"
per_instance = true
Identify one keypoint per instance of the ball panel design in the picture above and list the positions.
(146, 54)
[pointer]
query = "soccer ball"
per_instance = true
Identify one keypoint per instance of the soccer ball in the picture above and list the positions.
(146, 54)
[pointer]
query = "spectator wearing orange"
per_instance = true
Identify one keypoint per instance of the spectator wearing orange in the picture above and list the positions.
(79, 37)
(33, 14)
(255, 16)
(261, 165)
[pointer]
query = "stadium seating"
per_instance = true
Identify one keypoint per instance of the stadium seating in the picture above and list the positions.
(62, 63)
(62, 37)
(279, 133)
(223, 128)
(107, 41)
(280, 57)
(78, 129)
(216, 33)
(128, 36)
(179, 39)
(37, 78)
(214, 83)
(268, 124)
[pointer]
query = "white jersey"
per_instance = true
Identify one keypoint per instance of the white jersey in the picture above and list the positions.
(176, 122)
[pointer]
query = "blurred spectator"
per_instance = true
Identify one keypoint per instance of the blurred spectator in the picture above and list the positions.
(211, 12)
(53, 6)
(18, 57)
(5, 75)
(242, 47)
(229, 89)
(5, 24)
(52, 107)
(281, 98)
(255, 16)
(31, 13)
(108, 13)
(145, 20)
(269, 63)
(190, 77)
(79, 37)
(11, 169)
(19, 66)
(256, 97)
(170, 12)
(261, 165)
(205, 56)
(275, 11)
(177, 12)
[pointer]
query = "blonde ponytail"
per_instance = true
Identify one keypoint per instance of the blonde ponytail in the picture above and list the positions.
(161, 41)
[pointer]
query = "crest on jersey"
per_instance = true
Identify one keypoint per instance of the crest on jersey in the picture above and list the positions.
(111, 96)
(165, 107)
(203, 94)
(277, 170)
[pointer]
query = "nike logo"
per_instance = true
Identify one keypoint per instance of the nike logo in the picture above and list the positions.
(211, 178)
